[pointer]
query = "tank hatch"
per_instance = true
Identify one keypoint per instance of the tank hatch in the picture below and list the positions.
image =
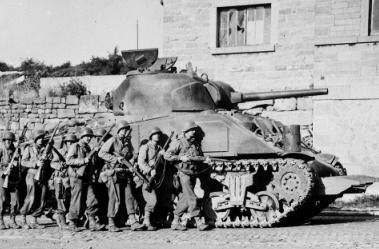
(140, 58)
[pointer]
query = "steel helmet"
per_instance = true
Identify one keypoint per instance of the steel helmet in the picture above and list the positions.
(122, 125)
(70, 138)
(73, 122)
(100, 132)
(38, 134)
(153, 131)
(9, 136)
(190, 125)
(86, 132)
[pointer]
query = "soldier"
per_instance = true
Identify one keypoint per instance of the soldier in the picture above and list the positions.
(6, 154)
(147, 157)
(179, 152)
(101, 190)
(119, 180)
(81, 181)
(61, 179)
(35, 190)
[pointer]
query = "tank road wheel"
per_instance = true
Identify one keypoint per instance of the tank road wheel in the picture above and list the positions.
(269, 214)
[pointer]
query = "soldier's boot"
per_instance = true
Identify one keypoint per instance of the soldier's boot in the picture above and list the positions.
(147, 222)
(24, 224)
(13, 224)
(50, 214)
(210, 223)
(94, 225)
(34, 224)
(176, 225)
(61, 222)
(200, 225)
(2, 224)
(72, 226)
(134, 224)
(112, 226)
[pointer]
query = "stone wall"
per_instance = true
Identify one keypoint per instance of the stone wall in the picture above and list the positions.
(45, 112)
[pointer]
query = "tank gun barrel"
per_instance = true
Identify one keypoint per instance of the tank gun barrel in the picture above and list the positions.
(238, 97)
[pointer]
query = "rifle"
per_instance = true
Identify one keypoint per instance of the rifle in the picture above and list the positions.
(40, 172)
(157, 160)
(15, 154)
(131, 168)
(203, 158)
(95, 149)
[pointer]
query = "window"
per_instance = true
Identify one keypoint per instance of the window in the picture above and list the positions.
(248, 25)
(374, 17)
(243, 26)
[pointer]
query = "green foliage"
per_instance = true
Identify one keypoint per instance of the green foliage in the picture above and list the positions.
(74, 87)
(5, 67)
(112, 64)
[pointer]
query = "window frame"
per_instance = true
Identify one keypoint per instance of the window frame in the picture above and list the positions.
(246, 48)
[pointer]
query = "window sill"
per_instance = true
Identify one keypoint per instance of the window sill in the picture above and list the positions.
(244, 49)
(346, 40)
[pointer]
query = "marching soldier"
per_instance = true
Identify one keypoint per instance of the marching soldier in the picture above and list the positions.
(81, 180)
(180, 152)
(61, 179)
(147, 157)
(35, 190)
(118, 179)
(6, 154)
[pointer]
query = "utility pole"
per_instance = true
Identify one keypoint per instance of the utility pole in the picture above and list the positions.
(137, 33)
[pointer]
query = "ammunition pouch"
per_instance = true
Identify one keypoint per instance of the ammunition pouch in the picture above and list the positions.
(106, 174)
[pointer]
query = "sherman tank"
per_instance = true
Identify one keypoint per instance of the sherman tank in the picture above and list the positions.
(267, 176)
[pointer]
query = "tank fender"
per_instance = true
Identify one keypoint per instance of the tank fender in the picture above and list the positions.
(338, 185)
(327, 158)
(298, 155)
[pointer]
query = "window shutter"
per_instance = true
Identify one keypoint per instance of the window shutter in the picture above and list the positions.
(241, 28)
(250, 27)
(232, 28)
(223, 30)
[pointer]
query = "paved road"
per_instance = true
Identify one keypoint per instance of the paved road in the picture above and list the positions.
(321, 232)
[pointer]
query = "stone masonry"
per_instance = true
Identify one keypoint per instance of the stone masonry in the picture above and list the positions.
(319, 43)
(44, 113)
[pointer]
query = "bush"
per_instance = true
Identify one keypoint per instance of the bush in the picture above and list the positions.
(74, 87)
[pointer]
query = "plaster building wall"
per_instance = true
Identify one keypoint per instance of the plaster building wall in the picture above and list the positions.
(314, 43)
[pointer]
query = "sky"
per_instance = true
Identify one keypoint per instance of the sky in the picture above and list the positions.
(57, 31)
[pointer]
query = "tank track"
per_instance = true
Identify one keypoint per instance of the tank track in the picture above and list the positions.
(289, 187)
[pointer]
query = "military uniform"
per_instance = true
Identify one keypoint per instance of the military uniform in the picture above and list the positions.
(100, 188)
(61, 180)
(118, 179)
(13, 177)
(35, 200)
(188, 172)
(147, 157)
(81, 181)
